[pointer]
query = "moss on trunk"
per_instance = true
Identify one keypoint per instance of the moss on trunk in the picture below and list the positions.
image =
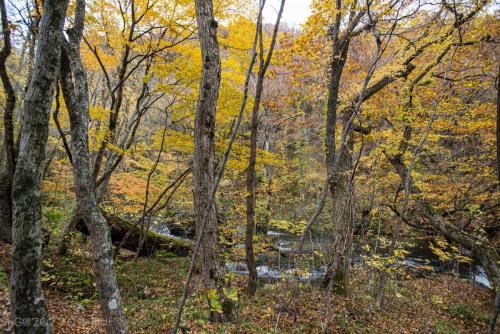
(153, 243)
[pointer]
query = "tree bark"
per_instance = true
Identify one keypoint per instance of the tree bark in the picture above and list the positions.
(220, 175)
(498, 125)
(5, 205)
(494, 314)
(75, 92)
(250, 182)
(29, 309)
(340, 49)
(7, 171)
(337, 171)
(343, 226)
(213, 270)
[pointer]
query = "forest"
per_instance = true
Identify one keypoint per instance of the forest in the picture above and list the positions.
(229, 166)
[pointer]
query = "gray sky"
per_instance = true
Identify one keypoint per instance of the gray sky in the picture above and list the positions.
(295, 13)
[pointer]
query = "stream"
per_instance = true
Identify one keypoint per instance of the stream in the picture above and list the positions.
(278, 265)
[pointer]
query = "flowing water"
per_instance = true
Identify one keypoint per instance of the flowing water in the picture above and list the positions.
(279, 264)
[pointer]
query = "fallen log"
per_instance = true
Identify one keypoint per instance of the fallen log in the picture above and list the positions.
(153, 243)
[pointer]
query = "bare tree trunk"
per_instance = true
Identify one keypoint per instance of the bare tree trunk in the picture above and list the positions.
(340, 49)
(498, 124)
(200, 233)
(75, 91)
(250, 198)
(7, 171)
(494, 315)
(5, 205)
(204, 160)
(343, 228)
(338, 164)
(29, 309)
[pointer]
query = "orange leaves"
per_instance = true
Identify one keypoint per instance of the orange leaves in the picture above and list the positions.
(127, 193)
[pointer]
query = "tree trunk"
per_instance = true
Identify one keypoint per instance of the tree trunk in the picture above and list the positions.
(75, 92)
(250, 183)
(339, 58)
(343, 216)
(28, 304)
(338, 183)
(5, 205)
(494, 314)
(333, 159)
(153, 242)
(250, 198)
(213, 270)
(498, 125)
(7, 171)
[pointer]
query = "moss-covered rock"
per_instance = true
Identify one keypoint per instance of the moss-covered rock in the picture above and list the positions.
(153, 243)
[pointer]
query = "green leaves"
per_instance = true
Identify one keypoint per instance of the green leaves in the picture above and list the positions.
(213, 300)
(230, 294)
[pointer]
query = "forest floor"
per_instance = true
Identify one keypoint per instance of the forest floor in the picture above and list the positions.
(151, 287)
